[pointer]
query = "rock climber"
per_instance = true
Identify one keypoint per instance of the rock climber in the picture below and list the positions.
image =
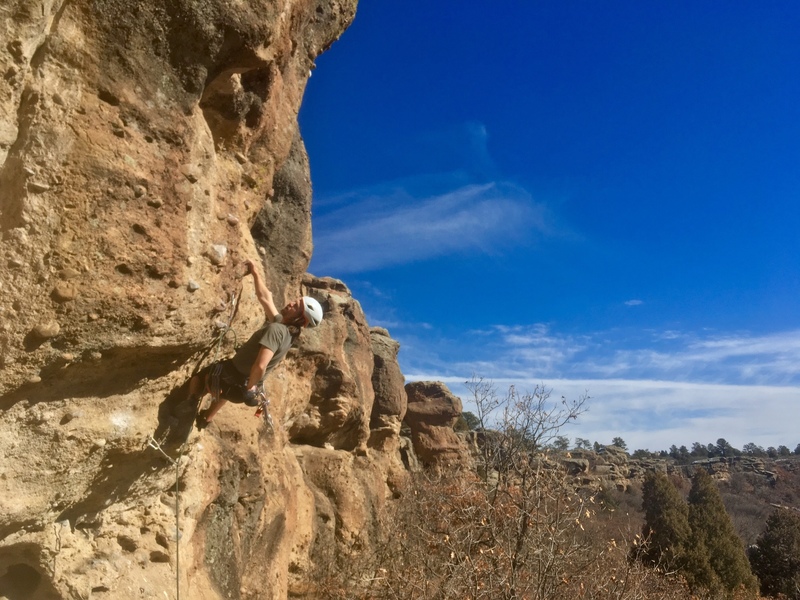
(240, 379)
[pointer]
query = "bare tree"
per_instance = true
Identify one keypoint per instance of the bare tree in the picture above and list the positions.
(514, 529)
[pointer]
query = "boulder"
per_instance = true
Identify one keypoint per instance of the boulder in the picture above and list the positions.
(432, 412)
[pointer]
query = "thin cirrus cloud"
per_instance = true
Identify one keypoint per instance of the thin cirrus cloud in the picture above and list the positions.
(671, 389)
(655, 414)
(713, 358)
(538, 351)
(398, 227)
(743, 359)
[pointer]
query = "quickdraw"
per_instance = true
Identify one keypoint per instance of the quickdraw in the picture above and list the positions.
(263, 407)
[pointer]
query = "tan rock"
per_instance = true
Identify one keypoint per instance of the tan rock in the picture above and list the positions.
(64, 292)
(47, 330)
(388, 384)
(432, 411)
(127, 171)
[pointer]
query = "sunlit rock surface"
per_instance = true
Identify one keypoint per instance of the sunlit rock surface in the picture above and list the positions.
(147, 149)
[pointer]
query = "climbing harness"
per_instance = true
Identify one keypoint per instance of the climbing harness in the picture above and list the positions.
(213, 381)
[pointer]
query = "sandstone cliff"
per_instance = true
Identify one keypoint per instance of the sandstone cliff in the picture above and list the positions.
(146, 150)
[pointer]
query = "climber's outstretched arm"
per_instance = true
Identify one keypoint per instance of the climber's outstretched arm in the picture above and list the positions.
(262, 292)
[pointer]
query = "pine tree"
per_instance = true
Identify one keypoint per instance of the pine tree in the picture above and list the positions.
(776, 556)
(666, 530)
(716, 557)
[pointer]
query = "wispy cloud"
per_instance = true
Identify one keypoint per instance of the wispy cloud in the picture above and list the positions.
(705, 357)
(766, 359)
(678, 389)
(655, 414)
(633, 302)
(384, 227)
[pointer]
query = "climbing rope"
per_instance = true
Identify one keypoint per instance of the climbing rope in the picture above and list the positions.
(152, 443)
(216, 345)
(224, 329)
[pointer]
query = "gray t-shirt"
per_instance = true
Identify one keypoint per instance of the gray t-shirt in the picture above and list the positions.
(274, 336)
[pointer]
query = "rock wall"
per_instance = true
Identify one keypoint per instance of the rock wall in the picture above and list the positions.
(139, 143)
(432, 412)
(146, 150)
(612, 468)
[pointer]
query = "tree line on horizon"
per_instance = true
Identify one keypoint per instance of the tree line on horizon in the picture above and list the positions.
(681, 454)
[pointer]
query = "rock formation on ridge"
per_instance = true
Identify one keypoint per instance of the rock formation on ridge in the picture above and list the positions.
(432, 412)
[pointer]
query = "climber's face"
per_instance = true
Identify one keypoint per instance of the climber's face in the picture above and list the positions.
(294, 312)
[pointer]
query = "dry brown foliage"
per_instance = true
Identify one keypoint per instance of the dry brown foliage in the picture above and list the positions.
(512, 530)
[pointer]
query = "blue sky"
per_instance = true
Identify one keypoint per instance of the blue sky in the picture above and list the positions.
(599, 197)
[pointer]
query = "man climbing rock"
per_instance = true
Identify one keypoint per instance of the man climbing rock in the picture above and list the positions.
(240, 379)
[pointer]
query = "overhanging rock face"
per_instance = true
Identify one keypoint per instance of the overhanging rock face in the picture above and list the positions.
(146, 150)
(138, 143)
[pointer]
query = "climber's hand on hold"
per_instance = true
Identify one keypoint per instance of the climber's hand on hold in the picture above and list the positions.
(252, 396)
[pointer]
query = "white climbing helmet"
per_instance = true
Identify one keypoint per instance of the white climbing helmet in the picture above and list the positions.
(312, 310)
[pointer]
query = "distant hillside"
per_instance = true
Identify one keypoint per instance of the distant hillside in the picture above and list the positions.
(751, 487)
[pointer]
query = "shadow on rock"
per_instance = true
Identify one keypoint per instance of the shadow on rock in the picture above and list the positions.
(113, 372)
(176, 418)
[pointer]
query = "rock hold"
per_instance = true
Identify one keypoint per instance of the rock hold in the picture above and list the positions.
(69, 273)
(37, 187)
(47, 330)
(64, 292)
(190, 172)
(217, 253)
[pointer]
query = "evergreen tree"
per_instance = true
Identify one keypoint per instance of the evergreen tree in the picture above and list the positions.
(754, 449)
(724, 448)
(471, 420)
(583, 444)
(776, 556)
(699, 450)
(619, 443)
(716, 558)
(666, 531)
